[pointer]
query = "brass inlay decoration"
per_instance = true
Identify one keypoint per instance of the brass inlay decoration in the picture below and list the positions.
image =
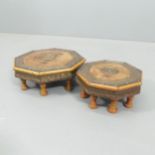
(113, 88)
(18, 69)
(109, 71)
(43, 60)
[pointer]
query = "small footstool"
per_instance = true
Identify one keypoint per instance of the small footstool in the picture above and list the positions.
(110, 80)
(48, 65)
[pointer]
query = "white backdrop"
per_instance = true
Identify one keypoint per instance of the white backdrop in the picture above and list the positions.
(62, 123)
(110, 19)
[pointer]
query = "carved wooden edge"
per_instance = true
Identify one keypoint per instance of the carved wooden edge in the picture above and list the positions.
(108, 87)
(18, 69)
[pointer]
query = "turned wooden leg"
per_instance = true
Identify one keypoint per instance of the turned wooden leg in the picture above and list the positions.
(112, 107)
(93, 104)
(129, 102)
(69, 86)
(43, 90)
(24, 85)
(83, 94)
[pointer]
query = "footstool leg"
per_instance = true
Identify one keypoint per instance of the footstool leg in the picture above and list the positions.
(24, 85)
(83, 94)
(43, 90)
(129, 103)
(69, 86)
(112, 107)
(93, 104)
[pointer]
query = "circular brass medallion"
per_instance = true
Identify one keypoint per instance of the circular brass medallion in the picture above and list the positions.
(47, 58)
(109, 71)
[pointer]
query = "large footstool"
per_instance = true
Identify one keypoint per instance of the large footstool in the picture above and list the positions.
(110, 80)
(46, 66)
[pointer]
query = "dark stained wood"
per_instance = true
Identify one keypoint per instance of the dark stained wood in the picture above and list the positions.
(46, 66)
(110, 79)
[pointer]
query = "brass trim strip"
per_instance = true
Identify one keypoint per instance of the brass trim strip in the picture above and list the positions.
(18, 69)
(109, 87)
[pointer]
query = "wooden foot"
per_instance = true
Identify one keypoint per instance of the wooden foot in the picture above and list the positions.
(129, 103)
(83, 94)
(24, 85)
(93, 104)
(112, 107)
(43, 90)
(68, 86)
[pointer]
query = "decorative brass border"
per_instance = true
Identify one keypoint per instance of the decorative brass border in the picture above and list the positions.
(109, 87)
(18, 69)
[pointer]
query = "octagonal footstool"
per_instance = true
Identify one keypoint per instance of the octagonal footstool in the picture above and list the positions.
(48, 65)
(111, 80)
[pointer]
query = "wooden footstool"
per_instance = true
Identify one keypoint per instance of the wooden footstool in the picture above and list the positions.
(45, 66)
(110, 80)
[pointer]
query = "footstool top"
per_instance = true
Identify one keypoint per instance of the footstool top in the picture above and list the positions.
(110, 75)
(48, 61)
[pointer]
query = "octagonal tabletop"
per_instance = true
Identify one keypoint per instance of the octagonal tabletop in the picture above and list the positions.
(111, 75)
(48, 61)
